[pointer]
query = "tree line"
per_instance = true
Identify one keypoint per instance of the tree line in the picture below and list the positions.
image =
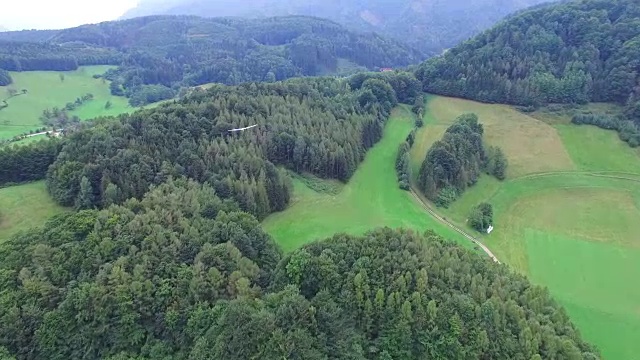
(403, 166)
(182, 274)
(31, 56)
(571, 52)
(627, 131)
(28, 162)
(5, 78)
(59, 117)
(455, 162)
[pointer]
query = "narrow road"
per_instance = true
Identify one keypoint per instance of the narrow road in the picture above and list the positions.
(446, 222)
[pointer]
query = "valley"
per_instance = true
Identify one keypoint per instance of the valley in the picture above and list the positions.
(323, 187)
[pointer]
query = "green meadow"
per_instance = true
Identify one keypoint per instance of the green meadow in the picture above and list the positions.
(566, 216)
(25, 206)
(369, 200)
(46, 89)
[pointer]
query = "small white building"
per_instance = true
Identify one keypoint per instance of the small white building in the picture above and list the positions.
(490, 229)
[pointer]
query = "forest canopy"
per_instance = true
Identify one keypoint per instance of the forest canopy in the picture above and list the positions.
(182, 274)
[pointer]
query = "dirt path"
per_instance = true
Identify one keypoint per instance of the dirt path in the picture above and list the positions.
(446, 222)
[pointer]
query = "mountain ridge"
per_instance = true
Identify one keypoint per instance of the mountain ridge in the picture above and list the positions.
(429, 25)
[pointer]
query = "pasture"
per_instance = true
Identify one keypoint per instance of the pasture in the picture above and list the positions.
(25, 206)
(566, 216)
(46, 89)
(369, 200)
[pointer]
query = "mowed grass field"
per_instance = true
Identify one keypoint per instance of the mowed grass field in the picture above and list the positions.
(25, 206)
(567, 216)
(46, 90)
(369, 200)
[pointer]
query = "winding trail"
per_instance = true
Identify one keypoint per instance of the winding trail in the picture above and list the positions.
(449, 224)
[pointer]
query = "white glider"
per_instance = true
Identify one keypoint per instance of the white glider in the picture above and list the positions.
(243, 129)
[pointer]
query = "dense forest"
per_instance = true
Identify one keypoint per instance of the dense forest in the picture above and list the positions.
(182, 274)
(430, 26)
(456, 161)
(315, 125)
(158, 55)
(574, 52)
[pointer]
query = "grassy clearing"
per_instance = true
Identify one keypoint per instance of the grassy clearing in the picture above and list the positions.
(578, 205)
(371, 199)
(599, 297)
(531, 145)
(46, 90)
(591, 149)
(23, 207)
(567, 215)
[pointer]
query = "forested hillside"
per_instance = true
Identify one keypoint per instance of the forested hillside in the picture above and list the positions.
(159, 55)
(184, 275)
(311, 125)
(580, 51)
(429, 25)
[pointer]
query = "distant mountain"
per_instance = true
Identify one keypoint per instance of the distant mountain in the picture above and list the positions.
(430, 25)
(170, 52)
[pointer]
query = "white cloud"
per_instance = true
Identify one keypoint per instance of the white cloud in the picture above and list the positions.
(57, 14)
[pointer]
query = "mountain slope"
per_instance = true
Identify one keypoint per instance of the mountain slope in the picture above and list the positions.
(575, 52)
(430, 25)
(174, 52)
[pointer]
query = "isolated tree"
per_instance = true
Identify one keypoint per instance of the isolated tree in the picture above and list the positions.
(61, 75)
(481, 217)
(108, 105)
(496, 162)
(85, 196)
(5, 78)
(500, 165)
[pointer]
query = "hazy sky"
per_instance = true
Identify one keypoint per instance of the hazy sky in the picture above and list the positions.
(56, 14)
